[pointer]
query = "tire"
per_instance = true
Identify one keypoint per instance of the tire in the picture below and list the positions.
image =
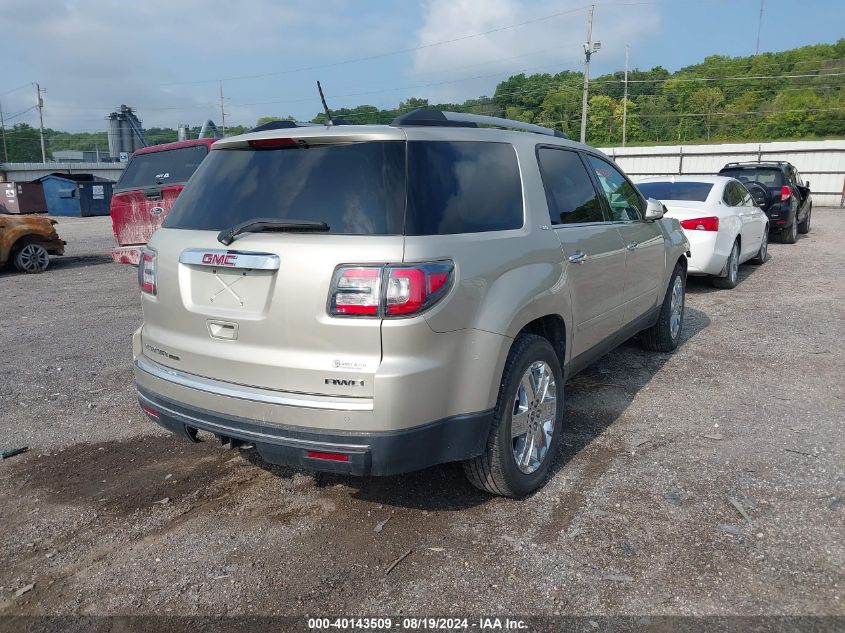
(763, 254)
(496, 470)
(731, 278)
(663, 336)
(31, 257)
(804, 225)
(789, 235)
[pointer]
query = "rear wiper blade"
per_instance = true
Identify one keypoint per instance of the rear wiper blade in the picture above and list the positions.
(227, 236)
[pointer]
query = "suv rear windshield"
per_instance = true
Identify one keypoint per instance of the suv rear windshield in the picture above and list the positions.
(168, 167)
(359, 188)
(770, 177)
(692, 191)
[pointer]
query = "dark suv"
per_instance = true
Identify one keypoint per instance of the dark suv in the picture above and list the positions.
(777, 188)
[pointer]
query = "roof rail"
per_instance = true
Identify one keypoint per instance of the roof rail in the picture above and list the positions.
(756, 162)
(440, 118)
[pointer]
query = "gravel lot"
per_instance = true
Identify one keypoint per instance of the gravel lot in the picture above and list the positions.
(710, 481)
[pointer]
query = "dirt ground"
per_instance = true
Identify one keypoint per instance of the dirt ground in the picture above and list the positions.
(710, 481)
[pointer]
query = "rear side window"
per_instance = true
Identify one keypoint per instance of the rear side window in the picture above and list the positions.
(168, 167)
(733, 195)
(355, 188)
(462, 187)
(569, 190)
(768, 177)
(691, 191)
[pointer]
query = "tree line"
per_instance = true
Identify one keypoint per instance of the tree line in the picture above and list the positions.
(794, 94)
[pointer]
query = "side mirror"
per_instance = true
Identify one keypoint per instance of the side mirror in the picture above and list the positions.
(807, 184)
(654, 210)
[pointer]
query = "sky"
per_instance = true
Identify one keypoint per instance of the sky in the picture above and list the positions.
(165, 57)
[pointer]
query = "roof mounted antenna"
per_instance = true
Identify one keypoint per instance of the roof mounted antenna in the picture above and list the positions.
(329, 120)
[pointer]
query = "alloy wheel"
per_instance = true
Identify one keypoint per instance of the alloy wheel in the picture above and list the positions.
(676, 307)
(33, 258)
(533, 416)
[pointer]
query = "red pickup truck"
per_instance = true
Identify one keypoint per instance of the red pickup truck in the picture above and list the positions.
(146, 190)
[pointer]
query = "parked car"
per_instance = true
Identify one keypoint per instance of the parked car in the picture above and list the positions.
(27, 241)
(380, 299)
(724, 226)
(780, 192)
(142, 197)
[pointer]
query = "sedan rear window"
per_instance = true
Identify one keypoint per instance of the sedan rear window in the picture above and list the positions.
(692, 191)
(168, 167)
(359, 188)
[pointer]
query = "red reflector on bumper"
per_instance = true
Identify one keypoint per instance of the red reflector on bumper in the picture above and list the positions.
(334, 457)
(149, 411)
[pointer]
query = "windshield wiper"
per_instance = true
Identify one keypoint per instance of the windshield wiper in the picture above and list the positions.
(227, 236)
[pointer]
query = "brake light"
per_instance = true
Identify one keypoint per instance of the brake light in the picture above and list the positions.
(264, 143)
(701, 224)
(147, 272)
(785, 193)
(388, 291)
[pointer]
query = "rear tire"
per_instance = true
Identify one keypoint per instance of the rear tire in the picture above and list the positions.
(763, 254)
(31, 257)
(804, 225)
(789, 235)
(665, 335)
(508, 466)
(731, 278)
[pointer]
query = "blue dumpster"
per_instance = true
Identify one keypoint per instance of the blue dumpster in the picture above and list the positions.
(77, 194)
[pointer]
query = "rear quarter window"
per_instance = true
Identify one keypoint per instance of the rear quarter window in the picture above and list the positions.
(462, 187)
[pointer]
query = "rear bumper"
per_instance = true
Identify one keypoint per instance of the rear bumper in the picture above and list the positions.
(389, 453)
(707, 253)
(127, 254)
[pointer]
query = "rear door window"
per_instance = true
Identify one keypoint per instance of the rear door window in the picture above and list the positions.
(168, 167)
(355, 188)
(732, 195)
(624, 201)
(462, 187)
(570, 193)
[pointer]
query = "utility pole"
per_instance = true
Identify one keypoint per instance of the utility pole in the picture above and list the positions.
(759, 28)
(40, 105)
(222, 111)
(3, 131)
(589, 49)
(625, 102)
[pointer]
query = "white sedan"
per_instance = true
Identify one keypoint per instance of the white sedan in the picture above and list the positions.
(724, 226)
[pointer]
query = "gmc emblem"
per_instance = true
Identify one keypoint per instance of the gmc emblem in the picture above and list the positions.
(342, 382)
(217, 259)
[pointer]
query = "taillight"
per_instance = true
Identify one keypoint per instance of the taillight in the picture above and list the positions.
(701, 224)
(388, 291)
(147, 271)
(785, 193)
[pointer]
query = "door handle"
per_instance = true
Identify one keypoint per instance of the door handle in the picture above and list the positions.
(631, 245)
(577, 257)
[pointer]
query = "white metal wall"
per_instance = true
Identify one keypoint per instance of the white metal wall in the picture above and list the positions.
(26, 172)
(822, 163)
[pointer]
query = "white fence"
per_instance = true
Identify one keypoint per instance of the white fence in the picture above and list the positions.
(822, 163)
(25, 172)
